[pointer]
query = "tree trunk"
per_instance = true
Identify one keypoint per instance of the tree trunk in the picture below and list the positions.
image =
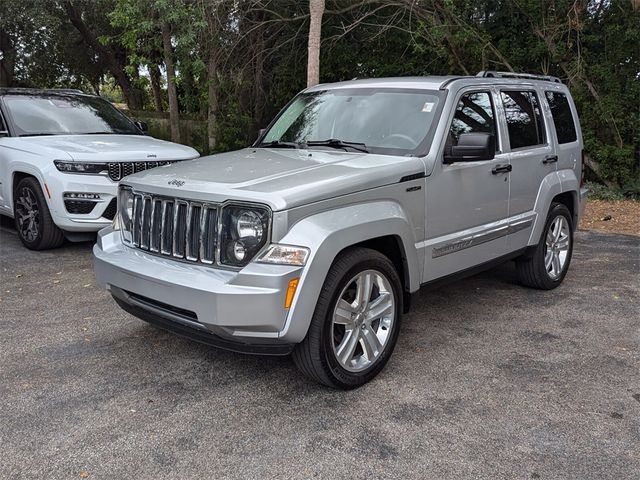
(132, 95)
(258, 79)
(595, 168)
(174, 116)
(7, 59)
(316, 10)
(212, 92)
(156, 89)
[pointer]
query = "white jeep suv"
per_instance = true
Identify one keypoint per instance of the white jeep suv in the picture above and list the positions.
(62, 154)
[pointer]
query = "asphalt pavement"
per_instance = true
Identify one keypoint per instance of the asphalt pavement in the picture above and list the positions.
(488, 380)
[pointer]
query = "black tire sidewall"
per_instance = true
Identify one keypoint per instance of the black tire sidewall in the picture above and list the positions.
(41, 204)
(341, 376)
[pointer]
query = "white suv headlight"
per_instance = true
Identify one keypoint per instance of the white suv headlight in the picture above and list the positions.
(81, 167)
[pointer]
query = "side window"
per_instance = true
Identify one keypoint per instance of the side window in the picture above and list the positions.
(3, 127)
(524, 118)
(562, 117)
(474, 113)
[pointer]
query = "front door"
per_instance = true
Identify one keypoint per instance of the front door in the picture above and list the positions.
(467, 203)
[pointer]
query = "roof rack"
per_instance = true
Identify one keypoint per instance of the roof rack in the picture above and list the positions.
(64, 90)
(530, 76)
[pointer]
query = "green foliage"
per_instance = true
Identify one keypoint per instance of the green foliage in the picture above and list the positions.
(602, 192)
(258, 50)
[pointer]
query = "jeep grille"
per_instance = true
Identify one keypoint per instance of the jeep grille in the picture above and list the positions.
(174, 227)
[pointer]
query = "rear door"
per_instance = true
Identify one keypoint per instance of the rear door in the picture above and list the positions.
(532, 157)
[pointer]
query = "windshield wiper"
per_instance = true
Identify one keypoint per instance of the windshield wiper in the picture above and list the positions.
(335, 143)
(279, 144)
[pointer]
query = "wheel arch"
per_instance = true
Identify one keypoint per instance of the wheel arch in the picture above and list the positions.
(392, 247)
(561, 187)
(382, 226)
(19, 174)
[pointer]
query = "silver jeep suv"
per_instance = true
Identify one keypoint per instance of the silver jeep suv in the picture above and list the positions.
(312, 241)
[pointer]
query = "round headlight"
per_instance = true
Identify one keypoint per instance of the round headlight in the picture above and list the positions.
(249, 224)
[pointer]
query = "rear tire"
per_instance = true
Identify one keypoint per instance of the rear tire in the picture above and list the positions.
(352, 332)
(34, 224)
(546, 266)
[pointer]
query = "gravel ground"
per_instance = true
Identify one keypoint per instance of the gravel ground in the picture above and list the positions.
(488, 380)
(612, 216)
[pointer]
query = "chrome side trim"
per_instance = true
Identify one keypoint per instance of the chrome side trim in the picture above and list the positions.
(479, 238)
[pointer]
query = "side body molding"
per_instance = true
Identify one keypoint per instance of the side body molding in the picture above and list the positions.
(328, 233)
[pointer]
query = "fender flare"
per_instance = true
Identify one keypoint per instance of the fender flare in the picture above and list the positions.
(552, 185)
(327, 234)
(27, 169)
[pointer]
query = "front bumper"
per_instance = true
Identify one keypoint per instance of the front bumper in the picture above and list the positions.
(58, 183)
(241, 311)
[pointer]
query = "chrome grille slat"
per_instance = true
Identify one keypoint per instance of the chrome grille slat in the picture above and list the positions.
(145, 232)
(175, 227)
(137, 219)
(156, 224)
(208, 235)
(194, 219)
(167, 228)
(179, 228)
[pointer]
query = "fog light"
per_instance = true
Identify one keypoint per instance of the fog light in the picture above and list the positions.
(82, 195)
(239, 251)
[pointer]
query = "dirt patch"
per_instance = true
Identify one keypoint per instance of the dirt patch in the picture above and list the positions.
(618, 216)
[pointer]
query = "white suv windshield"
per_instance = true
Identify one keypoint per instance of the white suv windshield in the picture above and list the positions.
(65, 115)
(389, 121)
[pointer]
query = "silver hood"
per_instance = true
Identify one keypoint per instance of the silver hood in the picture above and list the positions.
(280, 178)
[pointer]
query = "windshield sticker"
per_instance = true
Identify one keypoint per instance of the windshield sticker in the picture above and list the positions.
(428, 106)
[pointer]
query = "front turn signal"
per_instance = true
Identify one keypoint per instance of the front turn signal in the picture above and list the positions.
(291, 291)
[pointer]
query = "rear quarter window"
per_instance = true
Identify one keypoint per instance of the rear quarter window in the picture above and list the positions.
(562, 117)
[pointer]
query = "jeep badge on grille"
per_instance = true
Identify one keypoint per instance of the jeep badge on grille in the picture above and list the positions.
(177, 183)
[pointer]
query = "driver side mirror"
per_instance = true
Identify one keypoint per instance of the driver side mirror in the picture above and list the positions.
(142, 126)
(472, 147)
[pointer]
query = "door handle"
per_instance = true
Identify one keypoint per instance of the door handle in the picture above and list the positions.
(550, 159)
(501, 169)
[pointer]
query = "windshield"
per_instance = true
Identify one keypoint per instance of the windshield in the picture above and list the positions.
(65, 115)
(387, 121)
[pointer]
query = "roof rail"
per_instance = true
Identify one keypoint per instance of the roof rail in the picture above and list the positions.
(530, 76)
(64, 90)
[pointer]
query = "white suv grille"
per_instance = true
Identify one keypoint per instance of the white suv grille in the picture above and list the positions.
(118, 170)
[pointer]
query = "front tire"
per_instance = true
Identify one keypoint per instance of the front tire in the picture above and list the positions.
(34, 224)
(356, 322)
(546, 266)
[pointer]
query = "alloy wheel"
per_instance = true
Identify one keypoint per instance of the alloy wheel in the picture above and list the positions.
(362, 320)
(557, 245)
(28, 214)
